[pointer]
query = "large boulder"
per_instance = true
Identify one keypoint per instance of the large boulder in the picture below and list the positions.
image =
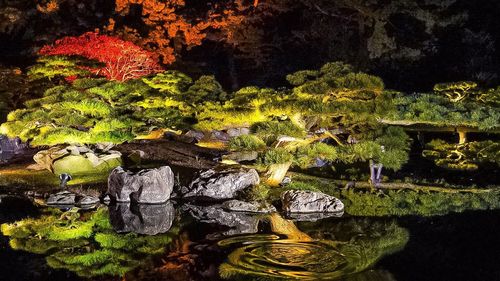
(220, 184)
(149, 219)
(146, 186)
(300, 201)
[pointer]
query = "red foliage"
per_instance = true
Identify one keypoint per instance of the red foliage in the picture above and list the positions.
(71, 78)
(123, 60)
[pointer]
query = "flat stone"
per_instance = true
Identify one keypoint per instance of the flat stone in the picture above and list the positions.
(61, 198)
(88, 200)
(300, 201)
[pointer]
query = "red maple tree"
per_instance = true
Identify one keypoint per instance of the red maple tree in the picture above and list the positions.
(122, 60)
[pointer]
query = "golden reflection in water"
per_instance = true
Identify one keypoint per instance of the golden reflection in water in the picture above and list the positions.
(293, 254)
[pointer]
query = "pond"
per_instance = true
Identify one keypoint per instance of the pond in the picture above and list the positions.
(188, 241)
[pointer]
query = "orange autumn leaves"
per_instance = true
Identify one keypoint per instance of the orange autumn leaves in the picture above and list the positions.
(170, 27)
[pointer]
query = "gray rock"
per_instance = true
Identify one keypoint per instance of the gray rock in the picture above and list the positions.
(61, 198)
(149, 219)
(250, 207)
(234, 132)
(11, 145)
(225, 184)
(300, 201)
(88, 200)
(146, 186)
(10, 148)
(197, 135)
(219, 136)
(238, 222)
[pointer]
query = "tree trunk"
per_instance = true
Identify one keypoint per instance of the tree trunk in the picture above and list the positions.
(375, 174)
(462, 136)
(276, 173)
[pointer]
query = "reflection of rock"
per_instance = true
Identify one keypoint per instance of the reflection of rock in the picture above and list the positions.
(313, 216)
(223, 184)
(251, 207)
(150, 219)
(239, 223)
(300, 201)
(145, 186)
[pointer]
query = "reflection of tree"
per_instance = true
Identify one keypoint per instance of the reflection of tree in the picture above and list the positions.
(322, 250)
(84, 243)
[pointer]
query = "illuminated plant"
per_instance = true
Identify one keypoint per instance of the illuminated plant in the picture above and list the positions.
(122, 60)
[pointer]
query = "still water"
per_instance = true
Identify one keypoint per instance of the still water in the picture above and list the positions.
(186, 241)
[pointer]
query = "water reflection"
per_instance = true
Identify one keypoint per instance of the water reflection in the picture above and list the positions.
(85, 243)
(248, 246)
(309, 256)
(235, 222)
(142, 218)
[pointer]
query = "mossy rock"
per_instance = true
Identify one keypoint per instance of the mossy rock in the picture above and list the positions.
(79, 164)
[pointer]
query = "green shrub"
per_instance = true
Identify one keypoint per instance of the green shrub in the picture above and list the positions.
(246, 142)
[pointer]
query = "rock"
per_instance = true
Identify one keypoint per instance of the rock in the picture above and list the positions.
(286, 181)
(11, 145)
(300, 201)
(76, 160)
(241, 156)
(142, 218)
(219, 136)
(224, 184)
(238, 222)
(235, 132)
(196, 135)
(61, 198)
(250, 207)
(13, 150)
(312, 217)
(146, 186)
(88, 200)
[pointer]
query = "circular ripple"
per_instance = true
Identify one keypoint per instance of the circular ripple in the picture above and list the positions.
(267, 255)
